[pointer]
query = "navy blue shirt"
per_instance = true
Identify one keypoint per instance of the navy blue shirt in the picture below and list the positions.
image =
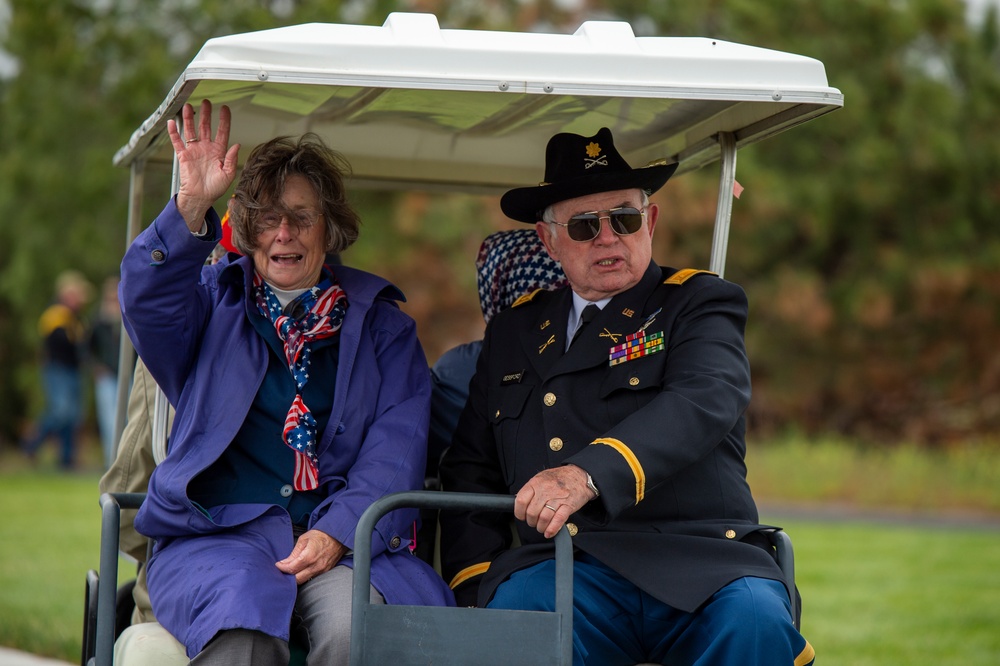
(258, 467)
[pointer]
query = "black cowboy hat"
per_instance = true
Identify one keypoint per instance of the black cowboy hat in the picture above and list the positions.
(578, 165)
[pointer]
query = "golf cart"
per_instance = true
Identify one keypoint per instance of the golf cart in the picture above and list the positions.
(413, 106)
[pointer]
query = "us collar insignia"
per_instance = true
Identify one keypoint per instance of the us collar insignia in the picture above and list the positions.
(594, 156)
(545, 344)
(545, 325)
(628, 312)
(608, 334)
(636, 345)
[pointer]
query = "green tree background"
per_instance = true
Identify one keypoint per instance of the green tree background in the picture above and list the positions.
(867, 240)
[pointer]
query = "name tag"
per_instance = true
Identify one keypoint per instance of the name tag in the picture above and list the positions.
(512, 378)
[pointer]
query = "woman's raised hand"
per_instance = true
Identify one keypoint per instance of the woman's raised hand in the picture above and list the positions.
(207, 165)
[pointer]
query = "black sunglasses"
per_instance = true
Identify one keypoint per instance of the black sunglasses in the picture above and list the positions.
(586, 226)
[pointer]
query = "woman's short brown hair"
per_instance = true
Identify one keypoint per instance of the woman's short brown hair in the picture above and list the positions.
(263, 181)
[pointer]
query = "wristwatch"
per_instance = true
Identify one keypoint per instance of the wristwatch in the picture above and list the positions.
(590, 485)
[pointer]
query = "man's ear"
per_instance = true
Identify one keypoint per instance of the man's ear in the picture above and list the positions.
(652, 213)
(544, 230)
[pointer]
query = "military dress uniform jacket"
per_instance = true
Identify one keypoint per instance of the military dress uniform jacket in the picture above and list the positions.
(661, 433)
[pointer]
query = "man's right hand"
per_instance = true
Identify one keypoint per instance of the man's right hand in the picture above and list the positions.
(550, 497)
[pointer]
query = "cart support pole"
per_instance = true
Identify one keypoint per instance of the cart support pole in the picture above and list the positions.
(724, 208)
(160, 404)
(126, 352)
(108, 582)
(111, 515)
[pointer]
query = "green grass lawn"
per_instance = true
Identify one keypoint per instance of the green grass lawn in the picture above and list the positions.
(875, 592)
(49, 537)
(960, 478)
(898, 594)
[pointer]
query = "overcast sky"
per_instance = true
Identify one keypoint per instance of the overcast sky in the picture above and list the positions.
(978, 7)
(7, 65)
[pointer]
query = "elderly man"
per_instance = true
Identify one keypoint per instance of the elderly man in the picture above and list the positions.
(616, 408)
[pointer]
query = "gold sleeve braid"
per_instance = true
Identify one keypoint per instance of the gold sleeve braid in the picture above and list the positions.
(631, 460)
(467, 573)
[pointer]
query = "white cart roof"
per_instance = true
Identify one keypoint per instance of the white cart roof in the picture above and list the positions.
(412, 105)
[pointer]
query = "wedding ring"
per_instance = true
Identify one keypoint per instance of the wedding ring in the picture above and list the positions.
(192, 140)
(550, 507)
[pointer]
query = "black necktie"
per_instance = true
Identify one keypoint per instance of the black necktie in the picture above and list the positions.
(588, 315)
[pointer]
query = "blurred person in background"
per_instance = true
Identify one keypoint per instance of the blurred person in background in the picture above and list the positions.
(104, 342)
(62, 332)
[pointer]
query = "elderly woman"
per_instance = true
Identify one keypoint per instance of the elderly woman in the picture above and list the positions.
(301, 396)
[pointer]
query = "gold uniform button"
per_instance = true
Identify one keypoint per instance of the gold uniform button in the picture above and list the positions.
(573, 529)
(555, 444)
(633, 381)
(549, 399)
(730, 534)
(498, 414)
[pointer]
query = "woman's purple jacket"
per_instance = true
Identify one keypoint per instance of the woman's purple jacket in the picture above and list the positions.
(189, 324)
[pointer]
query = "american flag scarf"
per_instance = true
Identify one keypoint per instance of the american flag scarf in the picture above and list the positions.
(325, 306)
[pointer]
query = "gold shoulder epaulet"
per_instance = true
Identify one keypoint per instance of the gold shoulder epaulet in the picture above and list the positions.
(526, 298)
(685, 274)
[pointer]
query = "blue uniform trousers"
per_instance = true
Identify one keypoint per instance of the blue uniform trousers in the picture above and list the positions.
(614, 622)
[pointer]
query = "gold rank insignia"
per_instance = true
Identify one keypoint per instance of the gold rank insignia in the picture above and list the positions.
(594, 156)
